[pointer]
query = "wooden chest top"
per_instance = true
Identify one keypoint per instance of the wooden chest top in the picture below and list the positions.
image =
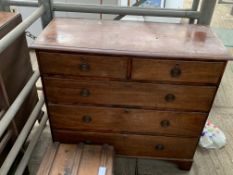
(6, 17)
(132, 38)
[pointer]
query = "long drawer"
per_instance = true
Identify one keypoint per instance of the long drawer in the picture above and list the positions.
(125, 120)
(177, 71)
(134, 145)
(82, 65)
(148, 95)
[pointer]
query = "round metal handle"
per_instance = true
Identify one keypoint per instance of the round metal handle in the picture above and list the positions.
(170, 97)
(88, 142)
(85, 93)
(175, 72)
(159, 147)
(165, 123)
(84, 67)
(87, 119)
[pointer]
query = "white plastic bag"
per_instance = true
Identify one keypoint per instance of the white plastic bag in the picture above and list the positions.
(212, 137)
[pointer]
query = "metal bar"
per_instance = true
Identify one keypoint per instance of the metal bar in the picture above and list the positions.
(138, 11)
(24, 3)
(5, 140)
(24, 161)
(195, 5)
(48, 15)
(136, 4)
(224, 2)
(13, 109)
(113, 10)
(19, 29)
(21, 138)
(207, 10)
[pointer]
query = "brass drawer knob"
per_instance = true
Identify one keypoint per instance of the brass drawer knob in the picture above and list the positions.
(88, 142)
(159, 147)
(165, 123)
(175, 72)
(87, 119)
(85, 93)
(170, 97)
(84, 67)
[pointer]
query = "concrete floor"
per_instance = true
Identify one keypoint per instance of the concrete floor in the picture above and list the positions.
(206, 162)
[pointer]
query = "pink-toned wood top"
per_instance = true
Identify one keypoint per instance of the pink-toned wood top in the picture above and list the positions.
(5, 17)
(132, 38)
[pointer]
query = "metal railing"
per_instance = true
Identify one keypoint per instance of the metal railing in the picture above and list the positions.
(203, 16)
(45, 11)
(9, 115)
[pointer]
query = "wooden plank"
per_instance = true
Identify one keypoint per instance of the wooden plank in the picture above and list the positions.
(63, 162)
(48, 159)
(80, 159)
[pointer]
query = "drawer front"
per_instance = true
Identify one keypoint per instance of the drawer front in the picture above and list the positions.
(120, 120)
(82, 65)
(134, 145)
(177, 71)
(148, 95)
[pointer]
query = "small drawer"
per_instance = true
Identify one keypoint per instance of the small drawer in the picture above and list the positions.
(177, 71)
(82, 65)
(133, 94)
(134, 145)
(125, 120)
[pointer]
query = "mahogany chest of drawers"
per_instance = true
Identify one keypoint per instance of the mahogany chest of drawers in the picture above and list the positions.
(145, 88)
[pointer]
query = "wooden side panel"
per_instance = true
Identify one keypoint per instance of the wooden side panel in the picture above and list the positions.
(134, 145)
(177, 71)
(15, 67)
(194, 98)
(82, 65)
(122, 120)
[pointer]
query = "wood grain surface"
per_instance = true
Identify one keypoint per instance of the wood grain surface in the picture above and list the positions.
(177, 71)
(134, 145)
(82, 65)
(132, 38)
(125, 120)
(192, 98)
(72, 159)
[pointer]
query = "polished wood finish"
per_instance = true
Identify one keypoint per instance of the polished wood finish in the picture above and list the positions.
(132, 38)
(71, 159)
(126, 120)
(149, 92)
(194, 98)
(134, 145)
(177, 71)
(83, 65)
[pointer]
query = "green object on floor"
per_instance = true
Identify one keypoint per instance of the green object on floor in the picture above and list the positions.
(226, 35)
